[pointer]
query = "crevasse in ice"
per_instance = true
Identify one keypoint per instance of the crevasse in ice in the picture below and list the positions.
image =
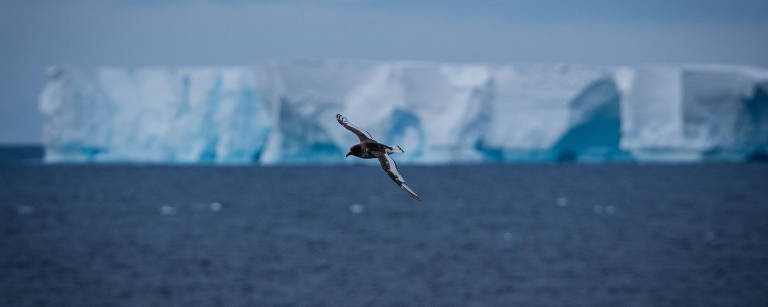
(283, 112)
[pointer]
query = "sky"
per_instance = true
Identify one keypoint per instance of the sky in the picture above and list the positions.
(35, 34)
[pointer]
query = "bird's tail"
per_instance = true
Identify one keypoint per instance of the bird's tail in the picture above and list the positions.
(395, 149)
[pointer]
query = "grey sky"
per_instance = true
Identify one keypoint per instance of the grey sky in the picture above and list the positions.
(36, 34)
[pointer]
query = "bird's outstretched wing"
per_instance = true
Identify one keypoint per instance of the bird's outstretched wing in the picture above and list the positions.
(361, 134)
(390, 167)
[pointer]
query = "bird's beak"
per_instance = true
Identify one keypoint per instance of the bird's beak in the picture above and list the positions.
(349, 153)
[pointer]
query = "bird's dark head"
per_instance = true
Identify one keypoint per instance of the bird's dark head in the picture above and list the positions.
(356, 151)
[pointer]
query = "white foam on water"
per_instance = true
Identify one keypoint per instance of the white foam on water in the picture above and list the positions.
(167, 210)
(215, 206)
(356, 208)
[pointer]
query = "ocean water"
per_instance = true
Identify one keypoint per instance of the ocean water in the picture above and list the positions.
(491, 235)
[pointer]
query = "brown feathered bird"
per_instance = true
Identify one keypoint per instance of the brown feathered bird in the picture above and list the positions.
(369, 149)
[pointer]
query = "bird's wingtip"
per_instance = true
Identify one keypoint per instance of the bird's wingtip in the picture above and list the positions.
(410, 192)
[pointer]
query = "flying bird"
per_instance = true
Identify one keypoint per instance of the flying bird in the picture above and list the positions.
(369, 149)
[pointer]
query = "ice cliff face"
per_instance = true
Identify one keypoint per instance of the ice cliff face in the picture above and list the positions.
(283, 112)
(154, 115)
(695, 113)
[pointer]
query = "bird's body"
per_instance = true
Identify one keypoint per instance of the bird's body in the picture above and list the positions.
(368, 148)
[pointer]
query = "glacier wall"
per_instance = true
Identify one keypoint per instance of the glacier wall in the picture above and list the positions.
(283, 112)
(153, 115)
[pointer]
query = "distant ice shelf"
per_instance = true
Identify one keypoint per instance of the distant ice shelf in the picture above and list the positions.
(283, 112)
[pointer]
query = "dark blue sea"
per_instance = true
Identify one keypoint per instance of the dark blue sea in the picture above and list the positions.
(490, 235)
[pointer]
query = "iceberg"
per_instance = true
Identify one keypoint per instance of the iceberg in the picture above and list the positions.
(435, 111)
(282, 112)
(184, 115)
(694, 113)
